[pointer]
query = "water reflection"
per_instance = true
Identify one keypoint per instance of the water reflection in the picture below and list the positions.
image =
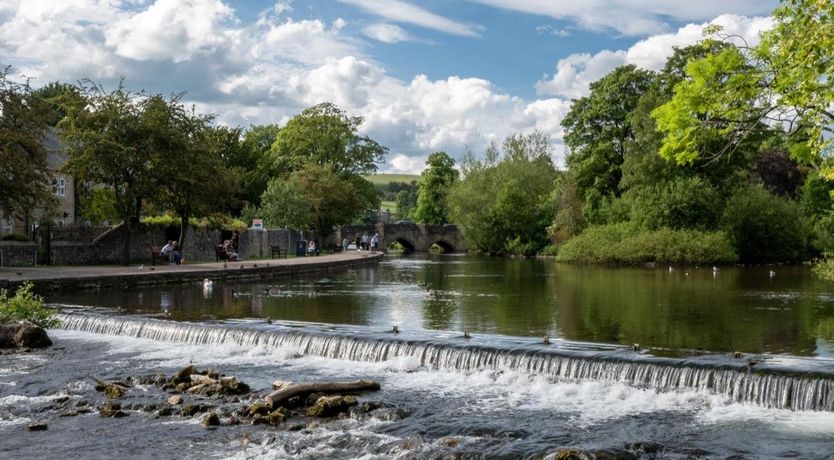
(692, 308)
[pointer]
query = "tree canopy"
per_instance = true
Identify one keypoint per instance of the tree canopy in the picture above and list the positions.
(25, 180)
(433, 191)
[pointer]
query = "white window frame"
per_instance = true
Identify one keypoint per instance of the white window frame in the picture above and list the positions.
(59, 186)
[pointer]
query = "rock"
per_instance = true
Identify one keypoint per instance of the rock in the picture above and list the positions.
(192, 409)
(62, 399)
(330, 406)
(183, 376)
(199, 379)
(231, 421)
(572, 454)
(312, 398)
(211, 419)
(37, 426)
(119, 414)
(23, 334)
(260, 420)
(165, 412)
(258, 408)
(196, 389)
(183, 387)
(109, 409)
(295, 427)
(277, 416)
(114, 391)
(175, 400)
(233, 386)
(451, 442)
(278, 384)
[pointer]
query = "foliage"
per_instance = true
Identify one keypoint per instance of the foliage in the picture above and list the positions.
(785, 80)
(97, 205)
(247, 157)
(58, 96)
(504, 202)
(14, 237)
(824, 268)
(822, 233)
(26, 306)
(778, 173)
(25, 181)
(597, 128)
(763, 227)
(324, 135)
(624, 243)
(435, 182)
(406, 201)
(816, 195)
(679, 203)
(568, 221)
(316, 198)
(215, 221)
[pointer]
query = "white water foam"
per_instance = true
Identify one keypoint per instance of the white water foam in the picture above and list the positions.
(587, 402)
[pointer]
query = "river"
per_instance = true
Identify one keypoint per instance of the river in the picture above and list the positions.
(501, 392)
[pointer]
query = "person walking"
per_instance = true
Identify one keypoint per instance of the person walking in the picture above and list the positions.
(375, 242)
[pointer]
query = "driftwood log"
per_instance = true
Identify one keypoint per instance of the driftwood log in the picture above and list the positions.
(304, 389)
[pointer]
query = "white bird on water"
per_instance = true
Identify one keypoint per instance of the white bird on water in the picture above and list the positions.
(772, 273)
(207, 283)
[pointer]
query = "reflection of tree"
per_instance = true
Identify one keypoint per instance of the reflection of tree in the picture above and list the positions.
(439, 314)
(727, 312)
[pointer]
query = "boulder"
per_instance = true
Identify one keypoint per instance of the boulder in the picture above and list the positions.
(23, 334)
(330, 406)
(175, 400)
(37, 426)
(211, 419)
(109, 409)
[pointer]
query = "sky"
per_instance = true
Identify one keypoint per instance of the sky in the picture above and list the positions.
(432, 75)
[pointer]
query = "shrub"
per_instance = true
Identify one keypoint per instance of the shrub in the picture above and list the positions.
(763, 227)
(26, 306)
(680, 203)
(15, 237)
(825, 268)
(625, 243)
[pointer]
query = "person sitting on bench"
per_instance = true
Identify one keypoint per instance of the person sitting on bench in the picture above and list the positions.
(170, 253)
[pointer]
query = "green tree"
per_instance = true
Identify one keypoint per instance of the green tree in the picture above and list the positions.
(435, 182)
(58, 96)
(250, 162)
(406, 201)
(315, 198)
(324, 135)
(785, 79)
(504, 202)
(25, 180)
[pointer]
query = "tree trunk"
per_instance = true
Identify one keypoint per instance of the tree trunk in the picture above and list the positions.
(183, 228)
(302, 390)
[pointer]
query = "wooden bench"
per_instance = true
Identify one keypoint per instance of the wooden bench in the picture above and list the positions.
(156, 253)
(220, 253)
(282, 253)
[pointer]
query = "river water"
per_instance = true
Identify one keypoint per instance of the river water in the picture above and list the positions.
(502, 392)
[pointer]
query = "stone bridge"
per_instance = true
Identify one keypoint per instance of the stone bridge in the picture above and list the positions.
(413, 237)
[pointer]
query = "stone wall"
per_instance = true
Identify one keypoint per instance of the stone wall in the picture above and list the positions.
(199, 244)
(17, 253)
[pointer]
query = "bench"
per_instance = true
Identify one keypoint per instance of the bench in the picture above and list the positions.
(282, 253)
(156, 253)
(220, 253)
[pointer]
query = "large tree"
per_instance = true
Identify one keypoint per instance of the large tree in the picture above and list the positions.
(785, 80)
(597, 129)
(25, 181)
(323, 139)
(504, 202)
(435, 183)
(325, 135)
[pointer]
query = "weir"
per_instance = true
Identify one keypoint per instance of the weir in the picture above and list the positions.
(774, 382)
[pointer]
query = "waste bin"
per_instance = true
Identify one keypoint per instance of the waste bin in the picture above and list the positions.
(301, 248)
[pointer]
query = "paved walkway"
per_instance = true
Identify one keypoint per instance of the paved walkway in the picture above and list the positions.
(84, 274)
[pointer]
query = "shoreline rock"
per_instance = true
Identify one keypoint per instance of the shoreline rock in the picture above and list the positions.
(23, 334)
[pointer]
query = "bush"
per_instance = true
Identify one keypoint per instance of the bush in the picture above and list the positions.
(680, 203)
(15, 237)
(763, 227)
(625, 243)
(26, 306)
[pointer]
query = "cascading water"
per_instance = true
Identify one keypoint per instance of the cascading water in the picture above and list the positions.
(781, 383)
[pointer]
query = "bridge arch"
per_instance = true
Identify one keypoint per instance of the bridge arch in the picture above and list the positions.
(407, 245)
(446, 246)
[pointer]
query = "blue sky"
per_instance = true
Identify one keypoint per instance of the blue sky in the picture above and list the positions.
(429, 75)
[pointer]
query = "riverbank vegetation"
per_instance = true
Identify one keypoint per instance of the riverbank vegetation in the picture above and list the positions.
(24, 305)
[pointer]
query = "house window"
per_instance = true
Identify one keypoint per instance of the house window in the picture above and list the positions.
(59, 186)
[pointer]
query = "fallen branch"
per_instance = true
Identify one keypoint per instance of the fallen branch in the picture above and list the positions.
(304, 389)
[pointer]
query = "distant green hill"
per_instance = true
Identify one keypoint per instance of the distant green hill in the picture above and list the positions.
(384, 179)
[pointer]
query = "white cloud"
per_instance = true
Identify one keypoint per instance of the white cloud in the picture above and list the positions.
(403, 12)
(630, 17)
(575, 73)
(172, 29)
(386, 33)
(404, 164)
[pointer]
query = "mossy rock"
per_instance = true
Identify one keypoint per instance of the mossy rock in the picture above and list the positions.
(331, 406)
